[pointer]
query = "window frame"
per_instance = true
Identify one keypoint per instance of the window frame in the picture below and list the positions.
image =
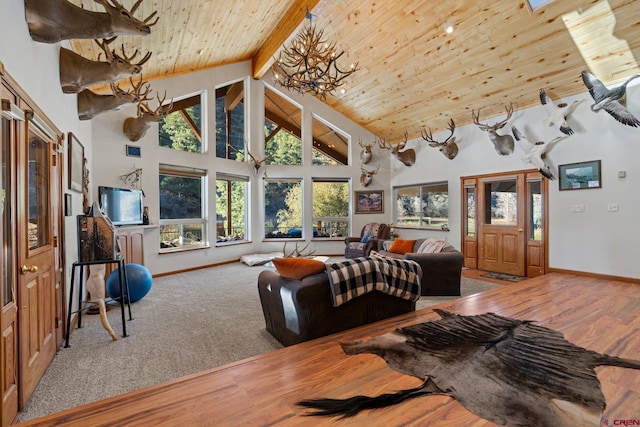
(421, 196)
(292, 180)
(229, 178)
(185, 172)
(229, 153)
(203, 121)
(331, 219)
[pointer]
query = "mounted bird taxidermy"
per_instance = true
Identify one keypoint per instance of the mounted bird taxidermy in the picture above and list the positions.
(135, 127)
(508, 371)
(51, 21)
(367, 175)
(448, 147)
(537, 153)
(503, 144)
(613, 101)
(91, 104)
(366, 154)
(78, 73)
(407, 157)
(557, 113)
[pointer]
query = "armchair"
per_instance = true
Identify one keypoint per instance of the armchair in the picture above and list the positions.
(370, 234)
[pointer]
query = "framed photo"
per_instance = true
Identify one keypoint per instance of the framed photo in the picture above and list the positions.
(133, 151)
(369, 202)
(76, 163)
(579, 176)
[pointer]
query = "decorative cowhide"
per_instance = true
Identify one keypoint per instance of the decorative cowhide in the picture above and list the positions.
(508, 371)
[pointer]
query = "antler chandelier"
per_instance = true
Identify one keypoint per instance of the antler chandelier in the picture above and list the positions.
(309, 64)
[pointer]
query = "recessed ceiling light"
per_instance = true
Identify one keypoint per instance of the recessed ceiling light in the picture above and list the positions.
(449, 27)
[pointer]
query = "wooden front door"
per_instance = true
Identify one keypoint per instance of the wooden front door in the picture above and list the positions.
(501, 237)
(504, 219)
(36, 256)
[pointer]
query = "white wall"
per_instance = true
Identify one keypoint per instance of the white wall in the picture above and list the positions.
(595, 241)
(34, 66)
(110, 162)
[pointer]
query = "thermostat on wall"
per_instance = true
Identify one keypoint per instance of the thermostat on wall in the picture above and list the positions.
(133, 151)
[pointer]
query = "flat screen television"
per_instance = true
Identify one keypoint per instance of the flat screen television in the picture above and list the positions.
(123, 206)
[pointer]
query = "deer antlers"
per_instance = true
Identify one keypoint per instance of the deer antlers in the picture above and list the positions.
(257, 164)
(407, 157)
(503, 144)
(448, 147)
(298, 253)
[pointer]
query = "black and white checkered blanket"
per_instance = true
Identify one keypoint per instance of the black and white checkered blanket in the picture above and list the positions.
(355, 277)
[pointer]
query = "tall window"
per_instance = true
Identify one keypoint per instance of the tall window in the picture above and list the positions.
(230, 117)
(330, 207)
(181, 129)
(282, 208)
(282, 135)
(422, 206)
(231, 208)
(182, 207)
(330, 146)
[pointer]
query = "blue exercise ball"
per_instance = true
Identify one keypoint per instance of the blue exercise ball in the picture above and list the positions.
(139, 279)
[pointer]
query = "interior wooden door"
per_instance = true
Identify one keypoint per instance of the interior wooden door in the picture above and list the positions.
(36, 256)
(501, 211)
(11, 118)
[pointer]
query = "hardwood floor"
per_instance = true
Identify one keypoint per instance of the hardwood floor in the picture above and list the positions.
(600, 315)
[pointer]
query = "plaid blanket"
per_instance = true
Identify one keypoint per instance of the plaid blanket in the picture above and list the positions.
(354, 277)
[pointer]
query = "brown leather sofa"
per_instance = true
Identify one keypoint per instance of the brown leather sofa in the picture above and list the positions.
(441, 271)
(301, 310)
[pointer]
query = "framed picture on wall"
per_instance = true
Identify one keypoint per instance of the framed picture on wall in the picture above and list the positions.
(369, 202)
(578, 176)
(76, 163)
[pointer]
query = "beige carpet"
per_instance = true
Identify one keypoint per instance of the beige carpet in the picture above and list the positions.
(188, 323)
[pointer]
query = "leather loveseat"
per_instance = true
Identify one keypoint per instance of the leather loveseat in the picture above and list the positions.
(301, 310)
(441, 270)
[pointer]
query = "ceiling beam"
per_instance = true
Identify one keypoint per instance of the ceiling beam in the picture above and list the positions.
(263, 59)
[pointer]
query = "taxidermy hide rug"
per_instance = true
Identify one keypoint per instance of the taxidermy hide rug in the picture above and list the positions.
(507, 371)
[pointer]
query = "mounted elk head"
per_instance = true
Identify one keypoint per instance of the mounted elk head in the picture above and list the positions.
(78, 73)
(367, 175)
(257, 164)
(366, 154)
(51, 21)
(448, 147)
(407, 157)
(135, 127)
(91, 104)
(503, 144)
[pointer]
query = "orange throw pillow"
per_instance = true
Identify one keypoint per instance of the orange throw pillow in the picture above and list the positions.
(400, 246)
(297, 268)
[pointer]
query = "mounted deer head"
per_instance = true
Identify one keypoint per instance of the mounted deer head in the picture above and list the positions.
(448, 147)
(51, 21)
(257, 164)
(367, 176)
(78, 73)
(503, 144)
(135, 127)
(298, 253)
(91, 104)
(365, 154)
(407, 157)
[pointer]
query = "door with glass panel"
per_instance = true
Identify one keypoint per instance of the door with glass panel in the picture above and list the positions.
(36, 254)
(504, 222)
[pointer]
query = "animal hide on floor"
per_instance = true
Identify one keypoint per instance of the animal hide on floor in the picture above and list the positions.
(508, 371)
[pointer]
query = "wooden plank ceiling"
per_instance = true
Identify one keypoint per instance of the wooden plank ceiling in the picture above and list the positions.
(412, 75)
